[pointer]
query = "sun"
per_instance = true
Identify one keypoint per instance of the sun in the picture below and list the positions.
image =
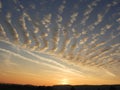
(64, 81)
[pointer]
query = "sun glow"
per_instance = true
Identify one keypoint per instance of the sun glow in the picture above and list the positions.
(64, 81)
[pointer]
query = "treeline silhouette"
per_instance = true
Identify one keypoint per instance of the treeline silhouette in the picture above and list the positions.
(58, 87)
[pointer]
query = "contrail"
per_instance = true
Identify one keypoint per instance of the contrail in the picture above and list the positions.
(30, 60)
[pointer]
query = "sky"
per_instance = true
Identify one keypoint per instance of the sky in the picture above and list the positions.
(54, 42)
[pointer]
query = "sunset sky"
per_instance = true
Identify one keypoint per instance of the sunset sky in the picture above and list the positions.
(53, 42)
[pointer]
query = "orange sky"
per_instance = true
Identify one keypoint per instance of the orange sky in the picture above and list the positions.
(69, 78)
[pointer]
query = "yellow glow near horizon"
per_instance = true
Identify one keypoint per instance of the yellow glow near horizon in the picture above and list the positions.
(64, 81)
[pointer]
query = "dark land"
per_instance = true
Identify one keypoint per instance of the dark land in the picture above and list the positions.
(58, 87)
